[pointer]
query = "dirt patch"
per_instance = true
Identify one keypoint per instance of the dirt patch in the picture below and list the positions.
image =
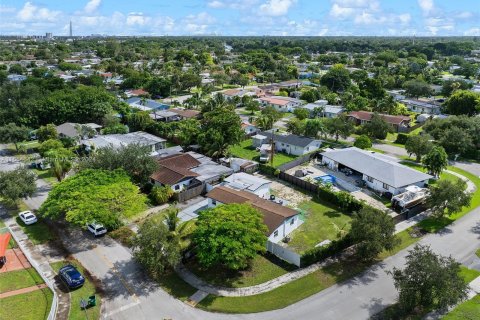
(284, 190)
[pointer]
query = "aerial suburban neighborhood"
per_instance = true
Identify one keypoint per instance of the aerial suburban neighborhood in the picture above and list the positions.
(260, 159)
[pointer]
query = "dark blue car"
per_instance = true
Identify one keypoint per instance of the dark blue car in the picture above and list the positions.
(71, 276)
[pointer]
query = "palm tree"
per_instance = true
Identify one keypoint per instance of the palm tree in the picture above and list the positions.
(176, 227)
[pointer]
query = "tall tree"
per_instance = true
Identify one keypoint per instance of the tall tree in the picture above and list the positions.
(336, 79)
(463, 102)
(373, 231)
(417, 88)
(11, 133)
(156, 248)
(448, 197)
(419, 145)
(339, 127)
(377, 128)
(429, 281)
(47, 132)
(16, 184)
(436, 160)
(229, 235)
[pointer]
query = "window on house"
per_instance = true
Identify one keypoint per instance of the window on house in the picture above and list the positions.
(214, 202)
(177, 187)
(275, 234)
(385, 186)
(292, 221)
(369, 179)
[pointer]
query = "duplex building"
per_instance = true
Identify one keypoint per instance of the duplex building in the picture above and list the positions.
(379, 172)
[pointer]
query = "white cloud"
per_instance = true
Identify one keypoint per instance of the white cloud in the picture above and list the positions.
(276, 7)
(426, 5)
(137, 18)
(92, 6)
(217, 4)
(472, 32)
(30, 13)
(5, 9)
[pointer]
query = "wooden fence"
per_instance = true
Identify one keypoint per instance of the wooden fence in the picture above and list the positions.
(188, 194)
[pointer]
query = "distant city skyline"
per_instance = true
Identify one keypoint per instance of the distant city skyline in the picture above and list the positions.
(242, 17)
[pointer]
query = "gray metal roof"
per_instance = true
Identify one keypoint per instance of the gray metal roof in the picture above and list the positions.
(377, 167)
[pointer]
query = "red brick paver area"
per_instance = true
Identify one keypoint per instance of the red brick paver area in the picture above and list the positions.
(22, 291)
(16, 260)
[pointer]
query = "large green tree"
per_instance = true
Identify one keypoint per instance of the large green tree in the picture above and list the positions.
(436, 160)
(416, 88)
(156, 248)
(229, 235)
(373, 231)
(429, 281)
(339, 127)
(419, 145)
(377, 128)
(448, 197)
(103, 196)
(133, 158)
(47, 132)
(221, 128)
(363, 142)
(336, 79)
(16, 184)
(11, 133)
(463, 102)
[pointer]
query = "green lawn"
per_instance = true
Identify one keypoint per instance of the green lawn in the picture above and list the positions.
(175, 286)
(38, 232)
(468, 310)
(19, 279)
(263, 268)
(478, 253)
(245, 150)
(468, 275)
(88, 289)
(34, 305)
(322, 221)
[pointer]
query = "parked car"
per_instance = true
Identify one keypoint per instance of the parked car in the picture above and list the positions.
(27, 217)
(96, 229)
(71, 276)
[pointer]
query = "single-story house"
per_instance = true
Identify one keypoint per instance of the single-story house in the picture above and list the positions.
(290, 84)
(119, 140)
(281, 104)
(186, 113)
(419, 106)
(249, 128)
(69, 129)
(328, 111)
(16, 77)
(186, 170)
(165, 116)
(290, 144)
(250, 183)
(136, 93)
(280, 220)
(399, 123)
(240, 165)
(397, 95)
(379, 172)
(146, 104)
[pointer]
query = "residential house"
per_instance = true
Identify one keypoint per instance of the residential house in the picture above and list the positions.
(420, 106)
(249, 128)
(290, 143)
(146, 104)
(156, 144)
(280, 220)
(16, 78)
(240, 165)
(186, 113)
(187, 170)
(379, 172)
(250, 183)
(71, 130)
(399, 123)
(165, 116)
(136, 93)
(280, 103)
(327, 111)
(397, 95)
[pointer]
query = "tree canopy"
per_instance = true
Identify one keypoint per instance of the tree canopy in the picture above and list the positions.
(448, 197)
(16, 184)
(229, 235)
(103, 196)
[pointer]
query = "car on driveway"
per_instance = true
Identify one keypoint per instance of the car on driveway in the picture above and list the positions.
(96, 229)
(71, 276)
(27, 217)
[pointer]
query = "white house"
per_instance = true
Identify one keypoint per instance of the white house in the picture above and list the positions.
(281, 104)
(280, 220)
(118, 140)
(419, 106)
(250, 183)
(289, 144)
(379, 172)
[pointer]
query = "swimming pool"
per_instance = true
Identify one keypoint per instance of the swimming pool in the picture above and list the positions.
(326, 179)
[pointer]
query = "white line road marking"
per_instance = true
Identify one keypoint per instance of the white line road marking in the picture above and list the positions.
(121, 309)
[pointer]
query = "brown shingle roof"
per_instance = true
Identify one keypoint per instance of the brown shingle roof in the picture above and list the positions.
(186, 113)
(367, 116)
(273, 213)
(175, 168)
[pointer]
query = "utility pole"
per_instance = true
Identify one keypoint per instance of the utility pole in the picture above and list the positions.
(272, 149)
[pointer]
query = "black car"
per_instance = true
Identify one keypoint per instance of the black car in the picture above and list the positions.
(71, 276)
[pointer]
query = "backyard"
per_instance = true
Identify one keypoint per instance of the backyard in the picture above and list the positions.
(322, 222)
(245, 150)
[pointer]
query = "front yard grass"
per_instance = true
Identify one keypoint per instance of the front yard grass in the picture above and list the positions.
(467, 310)
(322, 221)
(34, 305)
(262, 269)
(88, 289)
(175, 286)
(245, 150)
(19, 279)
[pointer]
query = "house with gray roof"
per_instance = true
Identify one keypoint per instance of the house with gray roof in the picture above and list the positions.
(379, 172)
(156, 144)
(289, 144)
(146, 104)
(73, 130)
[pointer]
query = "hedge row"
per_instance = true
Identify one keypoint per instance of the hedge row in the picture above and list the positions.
(342, 199)
(319, 253)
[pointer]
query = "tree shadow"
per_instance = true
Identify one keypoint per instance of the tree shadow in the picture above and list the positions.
(353, 272)
(476, 229)
(333, 214)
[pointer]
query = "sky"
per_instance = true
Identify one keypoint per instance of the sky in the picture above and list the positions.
(242, 17)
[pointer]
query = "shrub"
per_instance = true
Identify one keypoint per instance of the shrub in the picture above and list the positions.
(161, 195)
(319, 253)
(342, 199)
(401, 138)
(123, 234)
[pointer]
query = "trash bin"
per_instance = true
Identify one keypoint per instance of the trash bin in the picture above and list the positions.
(92, 301)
